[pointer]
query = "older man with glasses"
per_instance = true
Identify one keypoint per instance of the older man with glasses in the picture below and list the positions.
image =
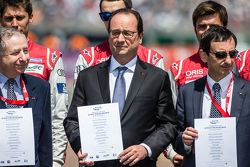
(146, 108)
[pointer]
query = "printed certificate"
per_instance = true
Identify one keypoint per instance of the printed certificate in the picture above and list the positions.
(16, 137)
(216, 142)
(100, 131)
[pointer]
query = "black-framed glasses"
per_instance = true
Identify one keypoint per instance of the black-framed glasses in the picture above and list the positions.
(223, 54)
(105, 15)
(125, 33)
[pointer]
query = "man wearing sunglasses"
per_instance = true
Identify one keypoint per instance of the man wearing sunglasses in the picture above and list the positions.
(101, 52)
(220, 93)
(207, 13)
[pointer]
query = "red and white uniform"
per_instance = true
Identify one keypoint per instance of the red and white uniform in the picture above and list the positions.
(47, 64)
(97, 54)
(189, 69)
(242, 63)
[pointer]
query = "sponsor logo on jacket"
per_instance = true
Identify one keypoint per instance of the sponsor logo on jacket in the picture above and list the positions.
(194, 73)
(35, 68)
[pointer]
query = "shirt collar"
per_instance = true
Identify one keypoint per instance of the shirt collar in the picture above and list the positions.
(4, 79)
(130, 65)
(224, 82)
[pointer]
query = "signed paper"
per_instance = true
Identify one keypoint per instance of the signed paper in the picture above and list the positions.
(216, 143)
(100, 131)
(16, 137)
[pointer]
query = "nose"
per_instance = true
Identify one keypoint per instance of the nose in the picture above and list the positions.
(228, 59)
(14, 23)
(121, 38)
(24, 56)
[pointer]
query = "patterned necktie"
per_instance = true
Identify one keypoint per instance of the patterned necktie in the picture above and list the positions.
(214, 113)
(11, 93)
(120, 88)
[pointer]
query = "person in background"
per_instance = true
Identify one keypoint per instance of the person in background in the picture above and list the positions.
(44, 63)
(148, 120)
(19, 90)
(242, 63)
(220, 93)
(207, 13)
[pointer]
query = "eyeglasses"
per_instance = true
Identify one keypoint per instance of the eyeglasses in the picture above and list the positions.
(223, 54)
(105, 15)
(125, 33)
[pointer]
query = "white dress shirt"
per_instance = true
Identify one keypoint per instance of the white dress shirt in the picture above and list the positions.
(128, 75)
(17, 87)
(224, 83)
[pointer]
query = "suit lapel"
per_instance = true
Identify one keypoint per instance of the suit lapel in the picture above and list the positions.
(2, 104)
(199, 87)
(103, 79)
(237, 98)
(30, 88)
(138, 78)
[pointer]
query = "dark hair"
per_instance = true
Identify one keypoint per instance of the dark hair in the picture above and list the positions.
(209, 8)
(215, 33)
(128, 3)
(5, 34)
(129, 11)
(26, 4)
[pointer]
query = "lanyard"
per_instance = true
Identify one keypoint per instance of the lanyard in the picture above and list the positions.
(215, 103)
(18, 102)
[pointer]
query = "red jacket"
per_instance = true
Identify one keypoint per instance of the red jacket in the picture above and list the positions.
(189, 69)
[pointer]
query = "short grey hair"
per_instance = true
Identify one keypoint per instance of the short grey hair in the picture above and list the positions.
(5, 34)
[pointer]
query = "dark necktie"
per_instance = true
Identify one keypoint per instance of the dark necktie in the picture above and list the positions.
(214, 113)
(120, 88)
(11, 93)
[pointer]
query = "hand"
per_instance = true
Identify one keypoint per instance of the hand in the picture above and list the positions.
(81, 158)
(133, 154)
(189, 135)
(177, 160)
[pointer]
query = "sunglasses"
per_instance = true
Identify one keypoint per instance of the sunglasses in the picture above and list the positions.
(105, 15)
(223, 54)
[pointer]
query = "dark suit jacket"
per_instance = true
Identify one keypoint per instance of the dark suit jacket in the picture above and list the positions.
(148, 115)
(39, 101)
(189, 107)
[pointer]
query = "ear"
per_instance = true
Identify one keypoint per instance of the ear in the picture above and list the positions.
(203, 55)
(31, 18)
(141, 37)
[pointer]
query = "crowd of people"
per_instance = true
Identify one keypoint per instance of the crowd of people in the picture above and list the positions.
(157, 106)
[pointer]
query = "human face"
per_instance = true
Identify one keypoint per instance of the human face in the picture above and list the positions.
(218, 68)
(203, 24)
(123, 47)
(111, 6)
(16, 17)
(16, 57)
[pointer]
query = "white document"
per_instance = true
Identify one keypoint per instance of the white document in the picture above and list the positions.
(216, 142)
(16, 137)
(100, 131)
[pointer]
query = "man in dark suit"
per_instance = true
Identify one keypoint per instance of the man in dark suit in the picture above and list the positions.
(14, 58)
(219, 94)
(147, 116)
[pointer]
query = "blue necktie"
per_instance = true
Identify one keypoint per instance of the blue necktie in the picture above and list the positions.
(11, 93)
(214, 113)
(120, 88)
